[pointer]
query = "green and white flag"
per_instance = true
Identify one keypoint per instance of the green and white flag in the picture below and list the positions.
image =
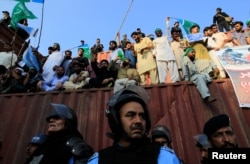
(19, 12)
(186, 24)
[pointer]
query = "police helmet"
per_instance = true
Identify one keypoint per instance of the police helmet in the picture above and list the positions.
(38, 139)
(63, 111)
(118, 99)
(201, 141)
(161, 131)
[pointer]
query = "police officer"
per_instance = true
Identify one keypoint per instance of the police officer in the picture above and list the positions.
(220, 133)
(161, 134)
(129, 121)
(64, 144)
(203, 144)
(33, 144)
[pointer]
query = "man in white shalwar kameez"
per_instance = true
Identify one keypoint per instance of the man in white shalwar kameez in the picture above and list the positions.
(54, 59)
(165, 59)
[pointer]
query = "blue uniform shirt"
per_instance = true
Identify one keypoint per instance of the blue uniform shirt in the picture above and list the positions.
(166, 155)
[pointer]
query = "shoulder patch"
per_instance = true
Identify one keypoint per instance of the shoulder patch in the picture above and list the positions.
(165, 148)
(94, 156)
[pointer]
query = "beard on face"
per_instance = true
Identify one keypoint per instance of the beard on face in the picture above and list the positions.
(137, 40)
(228, 144)
(204, 160)
(159, 34)
(124, 64)
(112, 48)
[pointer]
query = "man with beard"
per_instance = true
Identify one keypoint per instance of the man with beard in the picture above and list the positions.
(238, 35)
(129, 121)
(54, 59)
(198, 71)
(78, 79)
(220, 133)
(81, 59)
(203, 144)
(105, 76)
(64, 143)
(116, 52)
(165, 59)
(146, 64)
(126, 76)
(56, 83)
(66, 62)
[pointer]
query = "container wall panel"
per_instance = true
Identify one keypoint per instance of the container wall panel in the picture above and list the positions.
(178, 106)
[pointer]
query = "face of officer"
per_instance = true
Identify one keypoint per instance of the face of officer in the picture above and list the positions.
(162, 140)
(30, 149)
(133, 119)
(204, 155)
(56, 124)
(224, 138)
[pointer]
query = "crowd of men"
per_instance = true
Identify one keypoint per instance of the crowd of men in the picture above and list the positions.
(145, 61)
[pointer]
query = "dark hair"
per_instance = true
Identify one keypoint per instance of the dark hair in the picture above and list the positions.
(196, 25)
(238, 22)
(212, 25)
(207, 28)
(134, 33)
(6, 12)
(112, 41)
(219, 9)
(68, 51)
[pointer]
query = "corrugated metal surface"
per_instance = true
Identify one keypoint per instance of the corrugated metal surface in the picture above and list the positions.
(178, 106)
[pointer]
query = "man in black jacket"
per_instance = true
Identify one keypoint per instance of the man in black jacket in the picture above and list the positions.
(220, 19)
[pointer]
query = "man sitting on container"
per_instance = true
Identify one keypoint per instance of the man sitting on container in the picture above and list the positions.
(199, 71)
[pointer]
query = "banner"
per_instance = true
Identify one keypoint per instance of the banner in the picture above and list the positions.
(236, 62)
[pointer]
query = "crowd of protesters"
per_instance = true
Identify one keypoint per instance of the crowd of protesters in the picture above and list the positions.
(146, 61)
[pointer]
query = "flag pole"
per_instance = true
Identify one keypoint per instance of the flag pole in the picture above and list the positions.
(125, 16)
(40, 33)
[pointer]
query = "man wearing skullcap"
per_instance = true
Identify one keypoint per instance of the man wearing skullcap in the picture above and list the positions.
(165, 58)
(219, 132)
(199, 71)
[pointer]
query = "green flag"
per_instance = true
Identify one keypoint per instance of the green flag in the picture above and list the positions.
(186, 24)
(20, 12)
